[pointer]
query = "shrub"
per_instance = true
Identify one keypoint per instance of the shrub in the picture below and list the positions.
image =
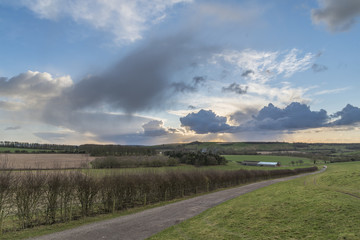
(6, 180)
(86, 189)
(28, 193)
(52, 193)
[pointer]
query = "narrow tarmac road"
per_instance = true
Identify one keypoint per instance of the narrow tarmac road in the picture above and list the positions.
(145, 224)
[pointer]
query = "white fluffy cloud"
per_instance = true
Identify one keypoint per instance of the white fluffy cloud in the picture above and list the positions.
(31, 88)
(125, 19)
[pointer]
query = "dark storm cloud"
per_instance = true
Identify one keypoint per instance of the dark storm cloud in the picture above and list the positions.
(338, 15)
(247, 72)
(191, 107)
(204, 122)
(139, 81)
(347, 116)
(154, 128)
(318, 68)
(294, 116)
(236, 88)
(243, 116)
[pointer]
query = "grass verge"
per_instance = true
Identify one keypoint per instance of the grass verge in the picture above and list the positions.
(322, 206)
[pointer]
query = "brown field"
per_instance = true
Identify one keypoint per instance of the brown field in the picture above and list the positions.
(44, 161)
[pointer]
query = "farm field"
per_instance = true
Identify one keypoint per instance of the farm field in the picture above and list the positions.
(27, 150)
(284, 160)
(232, 164)
(64, 161)
(44, 161)
(322, 206)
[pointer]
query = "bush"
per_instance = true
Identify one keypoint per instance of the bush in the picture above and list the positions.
(197, 158)
(86, 189)
(6, 180)
(28, 193)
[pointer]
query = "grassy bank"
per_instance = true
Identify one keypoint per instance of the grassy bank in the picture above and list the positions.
(323, 206)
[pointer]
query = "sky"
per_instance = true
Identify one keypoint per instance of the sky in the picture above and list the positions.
(144, 72)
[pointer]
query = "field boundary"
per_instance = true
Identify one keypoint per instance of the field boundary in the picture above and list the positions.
(144, 224)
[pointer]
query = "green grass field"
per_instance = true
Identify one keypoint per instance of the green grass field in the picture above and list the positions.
(322, 206)
(284, 160)
(28, 150)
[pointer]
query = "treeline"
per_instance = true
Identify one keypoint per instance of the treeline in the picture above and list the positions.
(339, 158)
(134, 162)
(321, 157)
(116, 150)
(197, 158)
(30, 199)
(40, 146)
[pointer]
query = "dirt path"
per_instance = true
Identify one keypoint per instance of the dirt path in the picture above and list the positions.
(145, 224)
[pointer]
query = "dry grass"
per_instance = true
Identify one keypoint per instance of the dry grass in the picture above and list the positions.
(44, 161)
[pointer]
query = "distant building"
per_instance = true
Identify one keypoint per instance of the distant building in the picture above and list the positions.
(260, 164)
(268, 164)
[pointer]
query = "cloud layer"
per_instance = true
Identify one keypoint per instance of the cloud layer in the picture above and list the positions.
(295, 116)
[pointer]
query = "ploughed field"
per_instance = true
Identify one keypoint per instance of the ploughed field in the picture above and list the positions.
(44, 161)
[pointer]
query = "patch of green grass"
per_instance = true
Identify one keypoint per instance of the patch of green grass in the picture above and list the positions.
(322, 206)
(15, 150)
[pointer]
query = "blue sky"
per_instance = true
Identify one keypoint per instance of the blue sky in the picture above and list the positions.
(153, 72)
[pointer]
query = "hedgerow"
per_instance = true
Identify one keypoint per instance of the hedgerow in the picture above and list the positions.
(29, 199)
